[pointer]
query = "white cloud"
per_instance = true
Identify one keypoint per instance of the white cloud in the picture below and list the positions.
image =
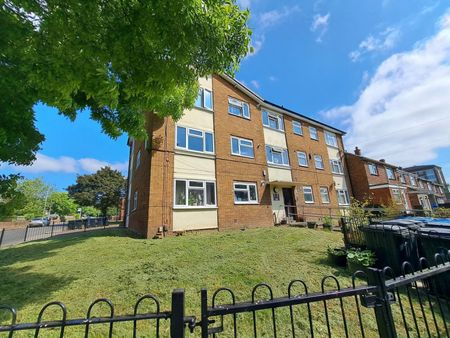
(65, 164)
(384, 41)
(255, 84)
(402, 115)
(320, 24)
(273, 78)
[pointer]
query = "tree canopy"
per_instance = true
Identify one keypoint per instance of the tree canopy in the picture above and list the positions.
(36, 194)
(60, 203)
(101, 190)
(118, 59)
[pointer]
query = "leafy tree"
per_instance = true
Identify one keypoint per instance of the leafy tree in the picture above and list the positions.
(60, 203)
(101, 190)
(90, 211)
(36, 197)
(118, 59)
(11, 198)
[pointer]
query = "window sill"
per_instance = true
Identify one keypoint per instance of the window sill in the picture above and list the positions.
(297, 134)
(240, 116)
(249, 157)
(194, 153)
(279, 166)
(309, 202)
(270, 128)
(246, 203)
(332, 146)
(194, 208)
(340, 174)
(314, 139)
(207, 110)
(303, 166)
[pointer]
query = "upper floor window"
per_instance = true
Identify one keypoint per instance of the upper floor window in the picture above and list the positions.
(138, 159)
(343, 198)
(390, 174)
(413, 180)
(245, 193)
(318, 162)
(194, 140)
(308, 194)
(313, 133)
(277, 155)
(272, 120)
(373, 170)
(238, 108)
(204, 99)
(297, 128)
(302, 158)
(242, 147)
(135, 200)
(193, 193)
(420, 184)
(336, 167)
(330, 139)
(402, 179)
(430, 187)
(324, 195)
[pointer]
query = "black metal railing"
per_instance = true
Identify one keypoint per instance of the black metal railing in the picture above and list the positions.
(377, 303)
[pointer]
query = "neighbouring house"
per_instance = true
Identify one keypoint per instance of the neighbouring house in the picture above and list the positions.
(434, 174)
(234, 161)
(384, 183)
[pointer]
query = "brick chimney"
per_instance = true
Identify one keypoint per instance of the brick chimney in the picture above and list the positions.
(357, 151)
(383, 160)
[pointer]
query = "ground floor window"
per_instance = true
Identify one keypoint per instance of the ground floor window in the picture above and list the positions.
(397, 196)
(245, 193)
(343, 198)
(308, 194)
(324, 195)
(194, 193)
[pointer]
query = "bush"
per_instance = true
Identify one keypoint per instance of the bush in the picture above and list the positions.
(365, 258)
(337, 256)
(441, 213)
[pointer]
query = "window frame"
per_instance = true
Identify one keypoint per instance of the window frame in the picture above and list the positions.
(306, 158)
(240, 105)
(278, 150)
(345, 194)
(278, 117)
(413, 181)
(335, 143)
(396, 193)
(248, 184)
(203, 136)
(321, 161)
(312, 194)
(339, 164)
(239, 139)
(203, 100)
(299, 125)
(373, 165)
(186, 194)
(311, 134)
(327, 194)
(390, 170)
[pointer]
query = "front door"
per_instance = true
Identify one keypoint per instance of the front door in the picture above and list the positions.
(289, 204)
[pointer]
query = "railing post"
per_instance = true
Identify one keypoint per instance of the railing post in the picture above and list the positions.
(25, 236)
(53, 225)
(383, 313)
(177, 319)
(1, 236)
(204, 313)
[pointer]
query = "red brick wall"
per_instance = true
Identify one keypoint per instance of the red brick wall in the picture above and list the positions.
(358, 177)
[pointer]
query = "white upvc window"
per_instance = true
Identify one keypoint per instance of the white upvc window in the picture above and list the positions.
(373, 169)
(194, 140)
(390, 174)
(331, 139)
(302, 158)
(242, 147)
(413, 181)
(238, 108)
(194, 194)
(297, 128)
(272, 120)
(308, 194)
(318, 162)
(402, 179)
(420, 184)
(278, 156)
(245, 193)
(138, 159)
(430, 187)
(135, 200)
(336, 167)
(343, 198)
(204, 99)
(397, 196)
(313, 133)
(324, 195)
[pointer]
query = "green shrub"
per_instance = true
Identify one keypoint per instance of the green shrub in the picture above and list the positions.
(363, 257)
(441, 213)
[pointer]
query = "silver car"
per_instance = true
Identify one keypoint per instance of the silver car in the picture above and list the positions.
(39, 222)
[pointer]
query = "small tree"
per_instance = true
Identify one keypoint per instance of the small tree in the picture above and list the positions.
(36, 197)
(61, 204)
(11, 198)
(101, 190)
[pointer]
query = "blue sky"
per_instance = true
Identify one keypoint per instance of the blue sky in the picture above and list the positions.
(377, 69)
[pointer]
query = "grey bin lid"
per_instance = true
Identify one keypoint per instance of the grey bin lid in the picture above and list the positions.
(435, 232)
(386, 227)
(403, 222)
(437, 224)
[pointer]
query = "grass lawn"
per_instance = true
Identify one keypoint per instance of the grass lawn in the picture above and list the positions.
(80, 268)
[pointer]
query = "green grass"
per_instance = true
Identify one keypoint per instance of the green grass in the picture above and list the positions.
(80, 268)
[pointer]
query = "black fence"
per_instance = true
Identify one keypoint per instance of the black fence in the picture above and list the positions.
(10, 237)
(414, 304)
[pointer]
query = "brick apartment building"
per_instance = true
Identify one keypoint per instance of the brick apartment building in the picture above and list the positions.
(234, 161)
(432, 173)
(383, 184)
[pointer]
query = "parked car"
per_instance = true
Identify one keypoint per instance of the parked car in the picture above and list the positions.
(39, 222)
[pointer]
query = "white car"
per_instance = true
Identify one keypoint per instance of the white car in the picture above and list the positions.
(39, 222)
